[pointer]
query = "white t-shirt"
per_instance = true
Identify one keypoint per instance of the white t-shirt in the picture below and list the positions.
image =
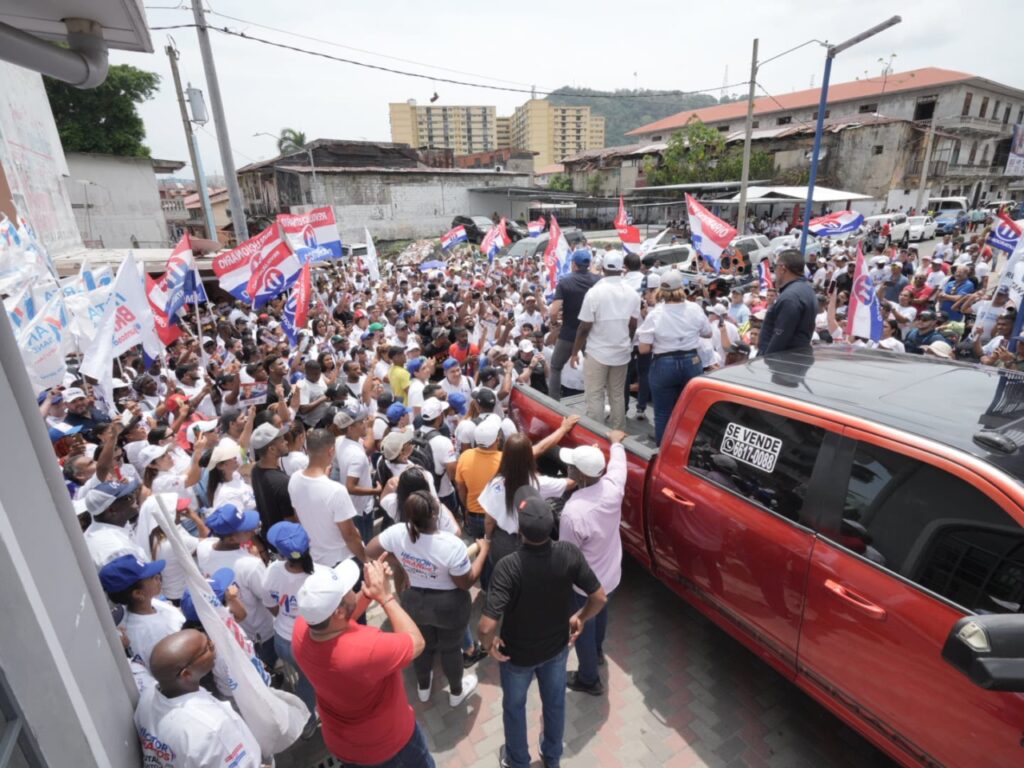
(193, 731)
(431, 560)
(107, 542)
(320, 504)
(351, 461)
(174, 575)
(416, 388)
(279, 588)
(145, 630)
(294, 462)
(444, 454)
(235, 491)
(463, 386)
(985, 316)
(609, 305)
(310, 391)
(206, 408)
(249, 574)
(492, 499)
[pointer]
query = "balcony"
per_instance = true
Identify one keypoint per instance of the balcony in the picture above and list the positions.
(973, 171)
(976, 125)
(935, 168)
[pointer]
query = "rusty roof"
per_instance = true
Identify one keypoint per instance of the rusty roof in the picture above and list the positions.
(915, 79)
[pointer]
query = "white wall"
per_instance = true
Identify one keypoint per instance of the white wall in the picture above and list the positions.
(123, 200)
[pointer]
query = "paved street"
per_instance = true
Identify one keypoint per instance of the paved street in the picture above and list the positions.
(682, 693)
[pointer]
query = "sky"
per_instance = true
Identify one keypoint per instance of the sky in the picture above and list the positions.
(601, 44)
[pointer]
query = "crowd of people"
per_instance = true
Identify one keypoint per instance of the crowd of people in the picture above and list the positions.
(373, 462)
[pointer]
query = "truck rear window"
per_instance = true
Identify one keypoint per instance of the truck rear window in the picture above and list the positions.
(762, 456)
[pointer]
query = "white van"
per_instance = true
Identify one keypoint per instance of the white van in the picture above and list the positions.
(952, 204)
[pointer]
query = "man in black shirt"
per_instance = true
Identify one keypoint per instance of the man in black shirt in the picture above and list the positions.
(568, 299)
(531, 590)
(269, 482)
(789, 323)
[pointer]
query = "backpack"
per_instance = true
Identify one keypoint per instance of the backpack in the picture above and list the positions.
(422, 455)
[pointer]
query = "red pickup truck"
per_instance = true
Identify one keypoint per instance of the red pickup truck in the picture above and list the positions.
(856, 518)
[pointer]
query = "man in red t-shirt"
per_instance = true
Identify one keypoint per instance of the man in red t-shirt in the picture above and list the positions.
(462, 349)
(356, 670)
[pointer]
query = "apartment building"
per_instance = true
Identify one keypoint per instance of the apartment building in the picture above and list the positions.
(504, 132)
(554, 132)
(463, 129)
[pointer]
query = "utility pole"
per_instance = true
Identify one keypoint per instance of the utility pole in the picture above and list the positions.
(741, 216)
(223, 140)
(193, 152)
(928, 143)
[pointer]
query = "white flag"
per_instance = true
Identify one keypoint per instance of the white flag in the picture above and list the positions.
(42, 346)
(127, 321)
(86, 313)
(372, 266)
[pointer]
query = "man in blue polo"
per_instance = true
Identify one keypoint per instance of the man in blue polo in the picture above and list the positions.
(956, 288)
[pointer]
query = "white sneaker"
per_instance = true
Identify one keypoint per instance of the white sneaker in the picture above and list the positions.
(424, 693)
(468, 686)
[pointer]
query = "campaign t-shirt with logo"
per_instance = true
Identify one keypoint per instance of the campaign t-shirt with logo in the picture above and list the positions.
(431, 560)
(145, 630)
(193, 730)
(249, 574)
(280, 587)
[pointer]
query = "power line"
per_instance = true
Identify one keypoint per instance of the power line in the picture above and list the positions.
(804, 123)
(434, 78)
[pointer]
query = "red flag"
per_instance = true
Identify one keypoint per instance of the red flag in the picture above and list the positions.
(628, 234)
(156, 293)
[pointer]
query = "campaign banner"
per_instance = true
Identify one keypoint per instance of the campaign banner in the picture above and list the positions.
(709, 235)
(42, 345)
(314, 235)
(1015, 161)
(453, 236)
(865, 314)
(833, 224)
(181, 280)
(1013, 274)
(252, 394)
(1005, 234)
(628, 234)
(296, 309)
(233, 269)
(156, 293)
(20, 307)
(86, 312)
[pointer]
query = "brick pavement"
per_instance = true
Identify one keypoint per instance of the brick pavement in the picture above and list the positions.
(681, 693)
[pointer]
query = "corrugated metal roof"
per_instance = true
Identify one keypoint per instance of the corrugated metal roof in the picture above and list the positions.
(838, 92)
(821, 195)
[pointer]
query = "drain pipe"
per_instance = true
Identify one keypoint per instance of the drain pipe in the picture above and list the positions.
(83, 63)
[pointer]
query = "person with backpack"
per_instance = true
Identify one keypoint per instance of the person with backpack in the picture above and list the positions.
(435, 452)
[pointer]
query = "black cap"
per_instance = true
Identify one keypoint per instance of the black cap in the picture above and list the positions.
(488, 372)
(485, 397)
(534, 514)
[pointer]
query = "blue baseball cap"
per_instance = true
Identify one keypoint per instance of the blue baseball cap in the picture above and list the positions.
(396, 411)
(450, 363)
(296, 377)
(63, 430)
(41, 397)
(289, 539)
(227, 519)
(415, 364)
(126, 571)
(101, 496)
(457, 401)
(219, 583)
(367, 336)
(581, 256)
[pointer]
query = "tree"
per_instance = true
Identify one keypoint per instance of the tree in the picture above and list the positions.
(560, 182)
(698, 153)
(103, 119)
(290, 141)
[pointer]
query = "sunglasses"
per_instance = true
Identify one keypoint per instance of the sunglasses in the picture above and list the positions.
(208, 648)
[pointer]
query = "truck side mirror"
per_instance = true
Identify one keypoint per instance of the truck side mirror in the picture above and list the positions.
(989, 649)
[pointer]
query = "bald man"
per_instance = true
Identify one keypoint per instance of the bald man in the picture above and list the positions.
(180, 724)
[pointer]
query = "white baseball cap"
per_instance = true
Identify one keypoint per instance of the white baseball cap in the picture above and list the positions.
(586, 458)
(226, 449)
(432, 408)
(73, 393)
(192, 433)
(486, 432)
(613, 261)
(151, 453)
(322, 591)
(526, 346)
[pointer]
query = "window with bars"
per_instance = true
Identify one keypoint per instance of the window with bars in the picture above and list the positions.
(17, 748)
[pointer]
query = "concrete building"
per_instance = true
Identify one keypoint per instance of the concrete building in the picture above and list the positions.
(172, 199)
(555, 132)
(972, 118)
(511, 160)
(196, 221)
(611, 170)
(116, 199)
(504, 132)
(464, 129)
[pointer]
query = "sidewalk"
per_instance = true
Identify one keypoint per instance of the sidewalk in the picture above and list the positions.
(681, 693)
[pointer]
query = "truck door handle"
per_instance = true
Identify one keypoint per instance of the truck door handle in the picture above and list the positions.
(684, 503)
(863, 605)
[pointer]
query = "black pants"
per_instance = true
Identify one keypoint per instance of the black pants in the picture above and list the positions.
(442, 616)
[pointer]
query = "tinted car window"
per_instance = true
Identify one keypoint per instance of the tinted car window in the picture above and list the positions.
(762, 456)
(934, 529)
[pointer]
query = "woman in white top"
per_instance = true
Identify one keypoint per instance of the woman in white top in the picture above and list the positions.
(150, 536)
(518, 467)
(440, 574)
(226, 485)
(281, 584)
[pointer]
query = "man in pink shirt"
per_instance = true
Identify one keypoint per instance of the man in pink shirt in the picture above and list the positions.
(590, 520)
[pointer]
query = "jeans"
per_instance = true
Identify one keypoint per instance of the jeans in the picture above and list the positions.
(559, 359)
(669, 375)
(600, 379)
(364, 524)
(413, 755)
(304, 690)
(267, 652)
(515, 682)
(590, 642)
(643, 374)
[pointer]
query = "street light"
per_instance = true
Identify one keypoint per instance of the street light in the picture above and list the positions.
(833, 51)
(309, 154)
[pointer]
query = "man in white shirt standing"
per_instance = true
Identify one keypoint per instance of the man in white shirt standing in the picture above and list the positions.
(323, 506)
(112, 506)
(353, 467)
(608, 320)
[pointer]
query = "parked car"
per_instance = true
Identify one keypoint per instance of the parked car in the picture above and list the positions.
(899, 226)
(835, 515)
(782, 242)
(922, 228)
(950, 222)
(754, 248)
(680, 255)
(529, 247)
(477, 226)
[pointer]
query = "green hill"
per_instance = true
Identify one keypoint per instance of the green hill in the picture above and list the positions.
(626, 111)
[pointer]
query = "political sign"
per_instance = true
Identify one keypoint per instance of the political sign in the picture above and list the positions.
(709, 235)
(313, 235)
(865, 313)
(453, 236)
(234, 268)
(1005, 233)
(833, 224)
(156, 293)
(296, 309)
(42, 345)
(181, 280)
(628, 234)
